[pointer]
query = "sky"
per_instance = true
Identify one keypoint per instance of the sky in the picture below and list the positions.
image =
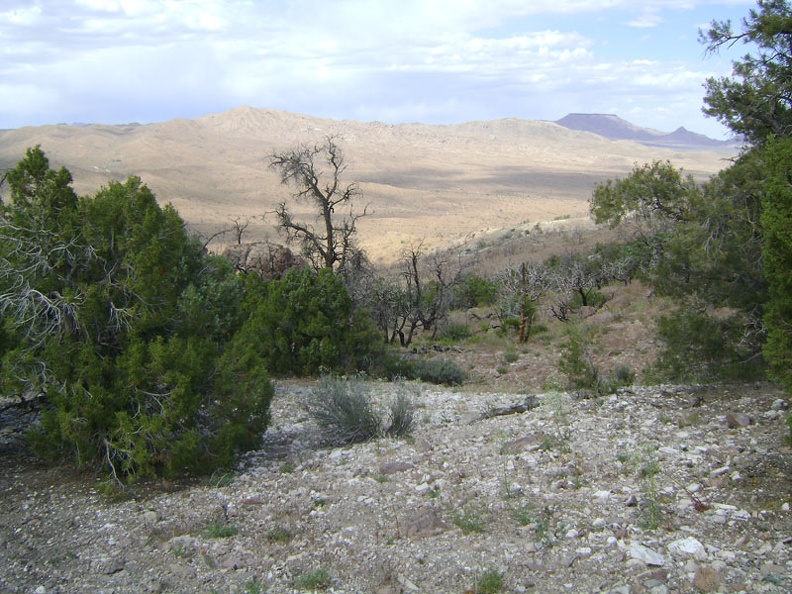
(399, 61)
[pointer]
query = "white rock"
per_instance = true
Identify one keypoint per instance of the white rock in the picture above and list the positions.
(719, 471)
(688, 547)
(641, 553)
(602, 495)
(423, 488)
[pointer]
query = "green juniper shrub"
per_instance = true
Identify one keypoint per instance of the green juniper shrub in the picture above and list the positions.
(122, 322)
(475, 291)
(576, 360)
(305, 323)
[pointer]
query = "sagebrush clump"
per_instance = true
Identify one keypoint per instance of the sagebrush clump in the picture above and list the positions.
(346, 412)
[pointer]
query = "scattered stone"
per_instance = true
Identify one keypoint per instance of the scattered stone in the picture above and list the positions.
(394, 467)
(707, 579)
(688, 547)
(521, 444)
(641, 553)
(719, 471)
(737, 420)
(426, 522)
(150, 517)
(396, 536)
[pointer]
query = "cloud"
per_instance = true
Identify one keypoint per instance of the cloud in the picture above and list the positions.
(443, 60)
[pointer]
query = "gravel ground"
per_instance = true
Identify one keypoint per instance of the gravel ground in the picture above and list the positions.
(657, 490)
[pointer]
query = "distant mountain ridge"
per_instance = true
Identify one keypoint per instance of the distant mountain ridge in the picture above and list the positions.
(613, 127)
(428, 184)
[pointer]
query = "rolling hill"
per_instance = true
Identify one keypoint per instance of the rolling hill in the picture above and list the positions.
(430, 183)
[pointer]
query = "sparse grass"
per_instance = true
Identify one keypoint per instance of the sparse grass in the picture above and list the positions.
(511, 356)
(287, 468)
(221, 479)
(524, 514)
(179, 551)
(489, 582)
(219, 530)
(454, 332)
(279, 534)
(318, 579)
(470, 521)
(253, 587)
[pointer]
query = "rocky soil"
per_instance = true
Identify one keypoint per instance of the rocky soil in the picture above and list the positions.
(656, 490)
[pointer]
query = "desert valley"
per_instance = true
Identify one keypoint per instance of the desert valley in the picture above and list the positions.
(508, 482)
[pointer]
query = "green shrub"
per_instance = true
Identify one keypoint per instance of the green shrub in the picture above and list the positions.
(699, 347)
(475, 291)
(511, 356)
(219, 530)
(305, 324)
(134, 324)
(439, 371)
(455, 332)
(318, 579)
(623, 375)
(576, 360)
(470, 521)
(489, 582)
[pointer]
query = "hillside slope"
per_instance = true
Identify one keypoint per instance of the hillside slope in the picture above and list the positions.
(436, 184)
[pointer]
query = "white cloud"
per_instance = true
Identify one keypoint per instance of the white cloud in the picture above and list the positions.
(444, 59)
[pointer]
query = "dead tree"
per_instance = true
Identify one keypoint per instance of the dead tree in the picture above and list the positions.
(315, 173)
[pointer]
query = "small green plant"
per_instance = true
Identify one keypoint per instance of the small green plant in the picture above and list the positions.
(344, 411)
(287, 468)
(511, 356)
(623, 375)
(576, 359)
(524, 514)
(253, 587)
(219, 530)
(279, 534)
(651, 509)
(454, 332)
(501, 370)
(470, 521)
(489, 582)
(318, 579)
(179, 551)
(221, 479)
